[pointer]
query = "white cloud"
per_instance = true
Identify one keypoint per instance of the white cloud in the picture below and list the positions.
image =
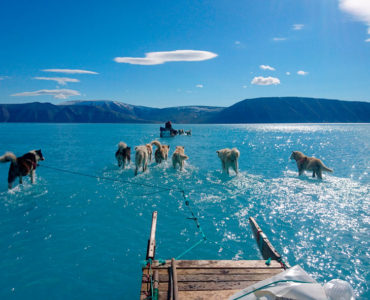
(359, 9)
(265, 80)
(199, 85)
(58, 94)
(244, 86)
(287, 73)
(59, 80)
(367, 40)
(237, 42)
(279, 39)
(156, 58)
(4, 77)
(266, 67)
(298, 26)
(302, 73)
(70, 71)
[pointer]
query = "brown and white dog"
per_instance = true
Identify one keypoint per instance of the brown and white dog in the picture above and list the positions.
(179, 157)
(161, 153)
(310, 164)
(141, 158)
(123, 154)
(229, 158)
(22, 166)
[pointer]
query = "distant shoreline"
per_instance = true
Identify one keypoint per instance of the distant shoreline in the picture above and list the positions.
(279, 110)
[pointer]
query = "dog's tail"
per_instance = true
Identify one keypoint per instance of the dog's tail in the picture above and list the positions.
(325, 168)
(8, 156)
(235, 153)
(156, 143)
(122, 145)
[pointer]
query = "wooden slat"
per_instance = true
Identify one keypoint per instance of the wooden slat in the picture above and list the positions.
(216, 278)
(197, 295)
(174, 286)
(203, 285)
(220, 271)
(234, 271)
(151, 243)
(213, 286)
(207, 295)
(204, 264)
(266, 248)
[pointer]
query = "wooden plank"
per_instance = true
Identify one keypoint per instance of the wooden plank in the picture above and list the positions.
(151, 243)
(234, 271)
(203, 264)
(266, 248)
(174, 280)
(197, 295)
(209, 286)
(220, 271)
(216, 278)
(206, 295)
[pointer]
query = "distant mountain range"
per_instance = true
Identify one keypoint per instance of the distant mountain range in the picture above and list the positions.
(258, 110)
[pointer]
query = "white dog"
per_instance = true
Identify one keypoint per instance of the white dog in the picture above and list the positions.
(229, 158)
(141, 158)
(179, 157)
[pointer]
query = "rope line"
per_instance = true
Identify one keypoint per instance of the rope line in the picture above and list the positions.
(161, 190)
(113, 179)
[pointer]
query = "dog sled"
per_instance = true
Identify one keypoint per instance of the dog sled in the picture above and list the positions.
(270, 278)
(168, 131)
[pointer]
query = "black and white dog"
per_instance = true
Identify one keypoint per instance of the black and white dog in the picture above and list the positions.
(22, 166)
(123, 154)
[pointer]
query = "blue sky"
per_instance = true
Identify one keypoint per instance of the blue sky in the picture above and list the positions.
(227, 50)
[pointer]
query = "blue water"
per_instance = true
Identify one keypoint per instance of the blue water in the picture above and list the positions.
(74, 237)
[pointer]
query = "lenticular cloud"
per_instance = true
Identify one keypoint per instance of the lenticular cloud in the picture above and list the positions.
(70, 71)
(59, 80)
(58, 93)
(157, 58)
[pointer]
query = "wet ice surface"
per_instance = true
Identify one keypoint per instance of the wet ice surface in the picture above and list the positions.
(73, 235)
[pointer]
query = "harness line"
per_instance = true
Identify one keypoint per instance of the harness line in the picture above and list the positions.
(162, 189)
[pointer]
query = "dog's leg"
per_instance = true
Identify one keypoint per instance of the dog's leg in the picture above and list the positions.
(236, 167)
(136, 169)
(223, 166)
(174, 164)
(32, 176)
(313, 174)
(20, 179)
(11, 178)
(145, 163)
(319, 173)
(300, 171)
